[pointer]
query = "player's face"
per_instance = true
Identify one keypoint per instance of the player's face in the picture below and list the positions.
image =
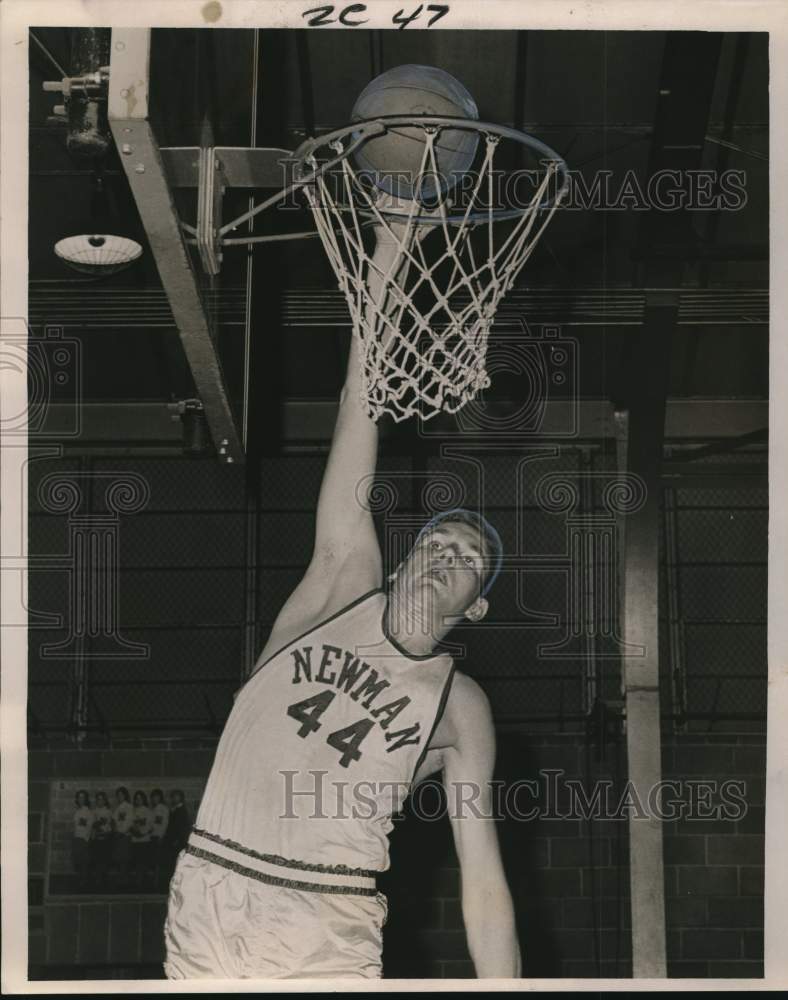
(447, 567)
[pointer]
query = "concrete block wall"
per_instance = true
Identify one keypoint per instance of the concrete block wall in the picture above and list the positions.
(714, 868)
(569, 876)
(98, 937)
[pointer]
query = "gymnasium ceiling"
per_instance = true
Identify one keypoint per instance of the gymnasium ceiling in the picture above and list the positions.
(592, 96)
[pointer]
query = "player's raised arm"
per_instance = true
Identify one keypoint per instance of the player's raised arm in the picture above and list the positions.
(345, 539)
(346, 546)
(346, 560)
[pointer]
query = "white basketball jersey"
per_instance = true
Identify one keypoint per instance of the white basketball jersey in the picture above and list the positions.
(323, 742)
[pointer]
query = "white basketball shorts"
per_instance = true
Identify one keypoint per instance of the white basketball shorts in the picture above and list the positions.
(222, 924)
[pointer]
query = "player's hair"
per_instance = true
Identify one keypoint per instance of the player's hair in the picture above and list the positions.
(139, 794)
(102, 795)
(492, 547)
(158, 793)
(82, 791)
(179, 793)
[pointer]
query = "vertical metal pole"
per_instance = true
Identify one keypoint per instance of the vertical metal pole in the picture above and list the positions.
(646, 873)
(684, 100)
(251, 581)
(250, 588)
(253, 484)
(79, 611)
(641, 451)
(678, 683)
(641, 691)
(592, 598)
(249, 249)
(621, 424)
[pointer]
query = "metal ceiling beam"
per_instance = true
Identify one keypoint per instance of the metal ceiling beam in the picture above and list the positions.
(141, 159)
(701, 419)
(738, 476)
(686, 420)
(705, 252)
(157, 424)
(70, 303)
(106, 423)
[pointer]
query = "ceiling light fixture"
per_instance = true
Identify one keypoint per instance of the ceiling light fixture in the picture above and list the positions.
(98, 254)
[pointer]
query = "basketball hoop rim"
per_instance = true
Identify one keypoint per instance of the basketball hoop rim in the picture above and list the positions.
(366, 129)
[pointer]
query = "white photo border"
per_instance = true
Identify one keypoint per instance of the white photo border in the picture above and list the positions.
(16, 17)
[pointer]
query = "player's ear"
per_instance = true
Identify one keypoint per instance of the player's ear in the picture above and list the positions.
(477, 610)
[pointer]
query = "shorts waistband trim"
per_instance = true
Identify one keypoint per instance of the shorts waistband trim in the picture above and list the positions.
(278, 871)
(277, 859)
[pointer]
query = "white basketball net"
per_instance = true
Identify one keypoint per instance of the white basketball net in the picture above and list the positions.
(421, 358)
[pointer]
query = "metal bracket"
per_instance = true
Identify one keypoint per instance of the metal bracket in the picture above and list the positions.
(214, 169)
(209, 210)
(92, 85)
(84, 109)
(242, 167)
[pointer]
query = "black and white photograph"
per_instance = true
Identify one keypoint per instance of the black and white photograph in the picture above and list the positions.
(391, 555)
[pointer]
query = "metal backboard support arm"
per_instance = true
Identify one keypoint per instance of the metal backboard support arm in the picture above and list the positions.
(139, 153)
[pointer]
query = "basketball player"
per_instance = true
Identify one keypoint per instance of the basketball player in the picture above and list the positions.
(350, 703)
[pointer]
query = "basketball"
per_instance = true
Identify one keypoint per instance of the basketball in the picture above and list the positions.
(393, 161)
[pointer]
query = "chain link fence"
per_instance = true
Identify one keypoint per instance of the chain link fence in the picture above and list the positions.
(140, 628)
(160, 632)
(713, 600)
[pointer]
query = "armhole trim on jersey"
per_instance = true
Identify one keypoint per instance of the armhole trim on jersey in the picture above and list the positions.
(303, 635)
(438, 716)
